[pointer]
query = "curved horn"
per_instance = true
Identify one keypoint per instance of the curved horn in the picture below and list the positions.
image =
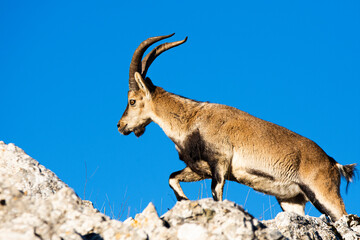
(138, 54)
(151, 56)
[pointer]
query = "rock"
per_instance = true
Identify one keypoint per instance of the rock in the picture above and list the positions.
(36, 204)
(201, 220)
(294, 226)
(191, 231)
(26, 173)
(348, 227)
(216, 220)
(61, 215)
(149, 223)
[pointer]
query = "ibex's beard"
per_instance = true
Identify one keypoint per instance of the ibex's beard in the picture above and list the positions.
(139, 131)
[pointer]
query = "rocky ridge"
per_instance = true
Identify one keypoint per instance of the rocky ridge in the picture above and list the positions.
(36, 204)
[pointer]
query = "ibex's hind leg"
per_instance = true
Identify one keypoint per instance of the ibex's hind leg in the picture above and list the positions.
(185, 175)
(295, 204)
(325, 198)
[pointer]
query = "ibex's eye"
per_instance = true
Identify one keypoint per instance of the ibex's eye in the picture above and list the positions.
(132, 102)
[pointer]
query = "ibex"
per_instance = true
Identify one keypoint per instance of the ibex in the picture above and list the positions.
(221, 143)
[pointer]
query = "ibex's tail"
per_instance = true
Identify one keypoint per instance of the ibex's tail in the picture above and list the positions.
(348, 172)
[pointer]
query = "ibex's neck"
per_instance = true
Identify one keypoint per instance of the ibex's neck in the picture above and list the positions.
(174, 114)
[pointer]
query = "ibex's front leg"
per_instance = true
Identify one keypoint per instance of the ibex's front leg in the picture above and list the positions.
(185, 175)
(217, 186)
(218, 173)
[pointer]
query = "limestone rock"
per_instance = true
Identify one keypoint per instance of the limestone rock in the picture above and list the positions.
(216, 220)
(61, 215)
(36, 204)
(201, 220)
(294, 226)
(348, 227)
(26, 174)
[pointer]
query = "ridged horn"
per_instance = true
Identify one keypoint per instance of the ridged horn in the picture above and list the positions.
(135, 65)
(151, 56)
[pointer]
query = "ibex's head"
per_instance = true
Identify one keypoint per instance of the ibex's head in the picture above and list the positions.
(137, 114)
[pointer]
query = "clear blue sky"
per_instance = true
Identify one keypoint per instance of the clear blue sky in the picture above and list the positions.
(64, 82)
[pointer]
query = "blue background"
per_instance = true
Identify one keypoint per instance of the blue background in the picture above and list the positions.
(64, 82)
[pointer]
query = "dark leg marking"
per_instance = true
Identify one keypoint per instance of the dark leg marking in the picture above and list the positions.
(311, 196)
(260, 174)
(217, 184)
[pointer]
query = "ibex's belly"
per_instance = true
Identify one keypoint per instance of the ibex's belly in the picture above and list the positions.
(263, 178)
(267, 184)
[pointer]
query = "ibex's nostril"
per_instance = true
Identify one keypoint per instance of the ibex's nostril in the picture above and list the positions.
(118, 124)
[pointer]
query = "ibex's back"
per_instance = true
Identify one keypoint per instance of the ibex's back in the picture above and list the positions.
(223, 143)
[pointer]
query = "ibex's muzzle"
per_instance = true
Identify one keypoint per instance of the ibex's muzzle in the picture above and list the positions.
(138, 131)
(122, 129)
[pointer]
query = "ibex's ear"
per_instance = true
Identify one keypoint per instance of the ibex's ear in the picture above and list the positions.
(141, 83)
